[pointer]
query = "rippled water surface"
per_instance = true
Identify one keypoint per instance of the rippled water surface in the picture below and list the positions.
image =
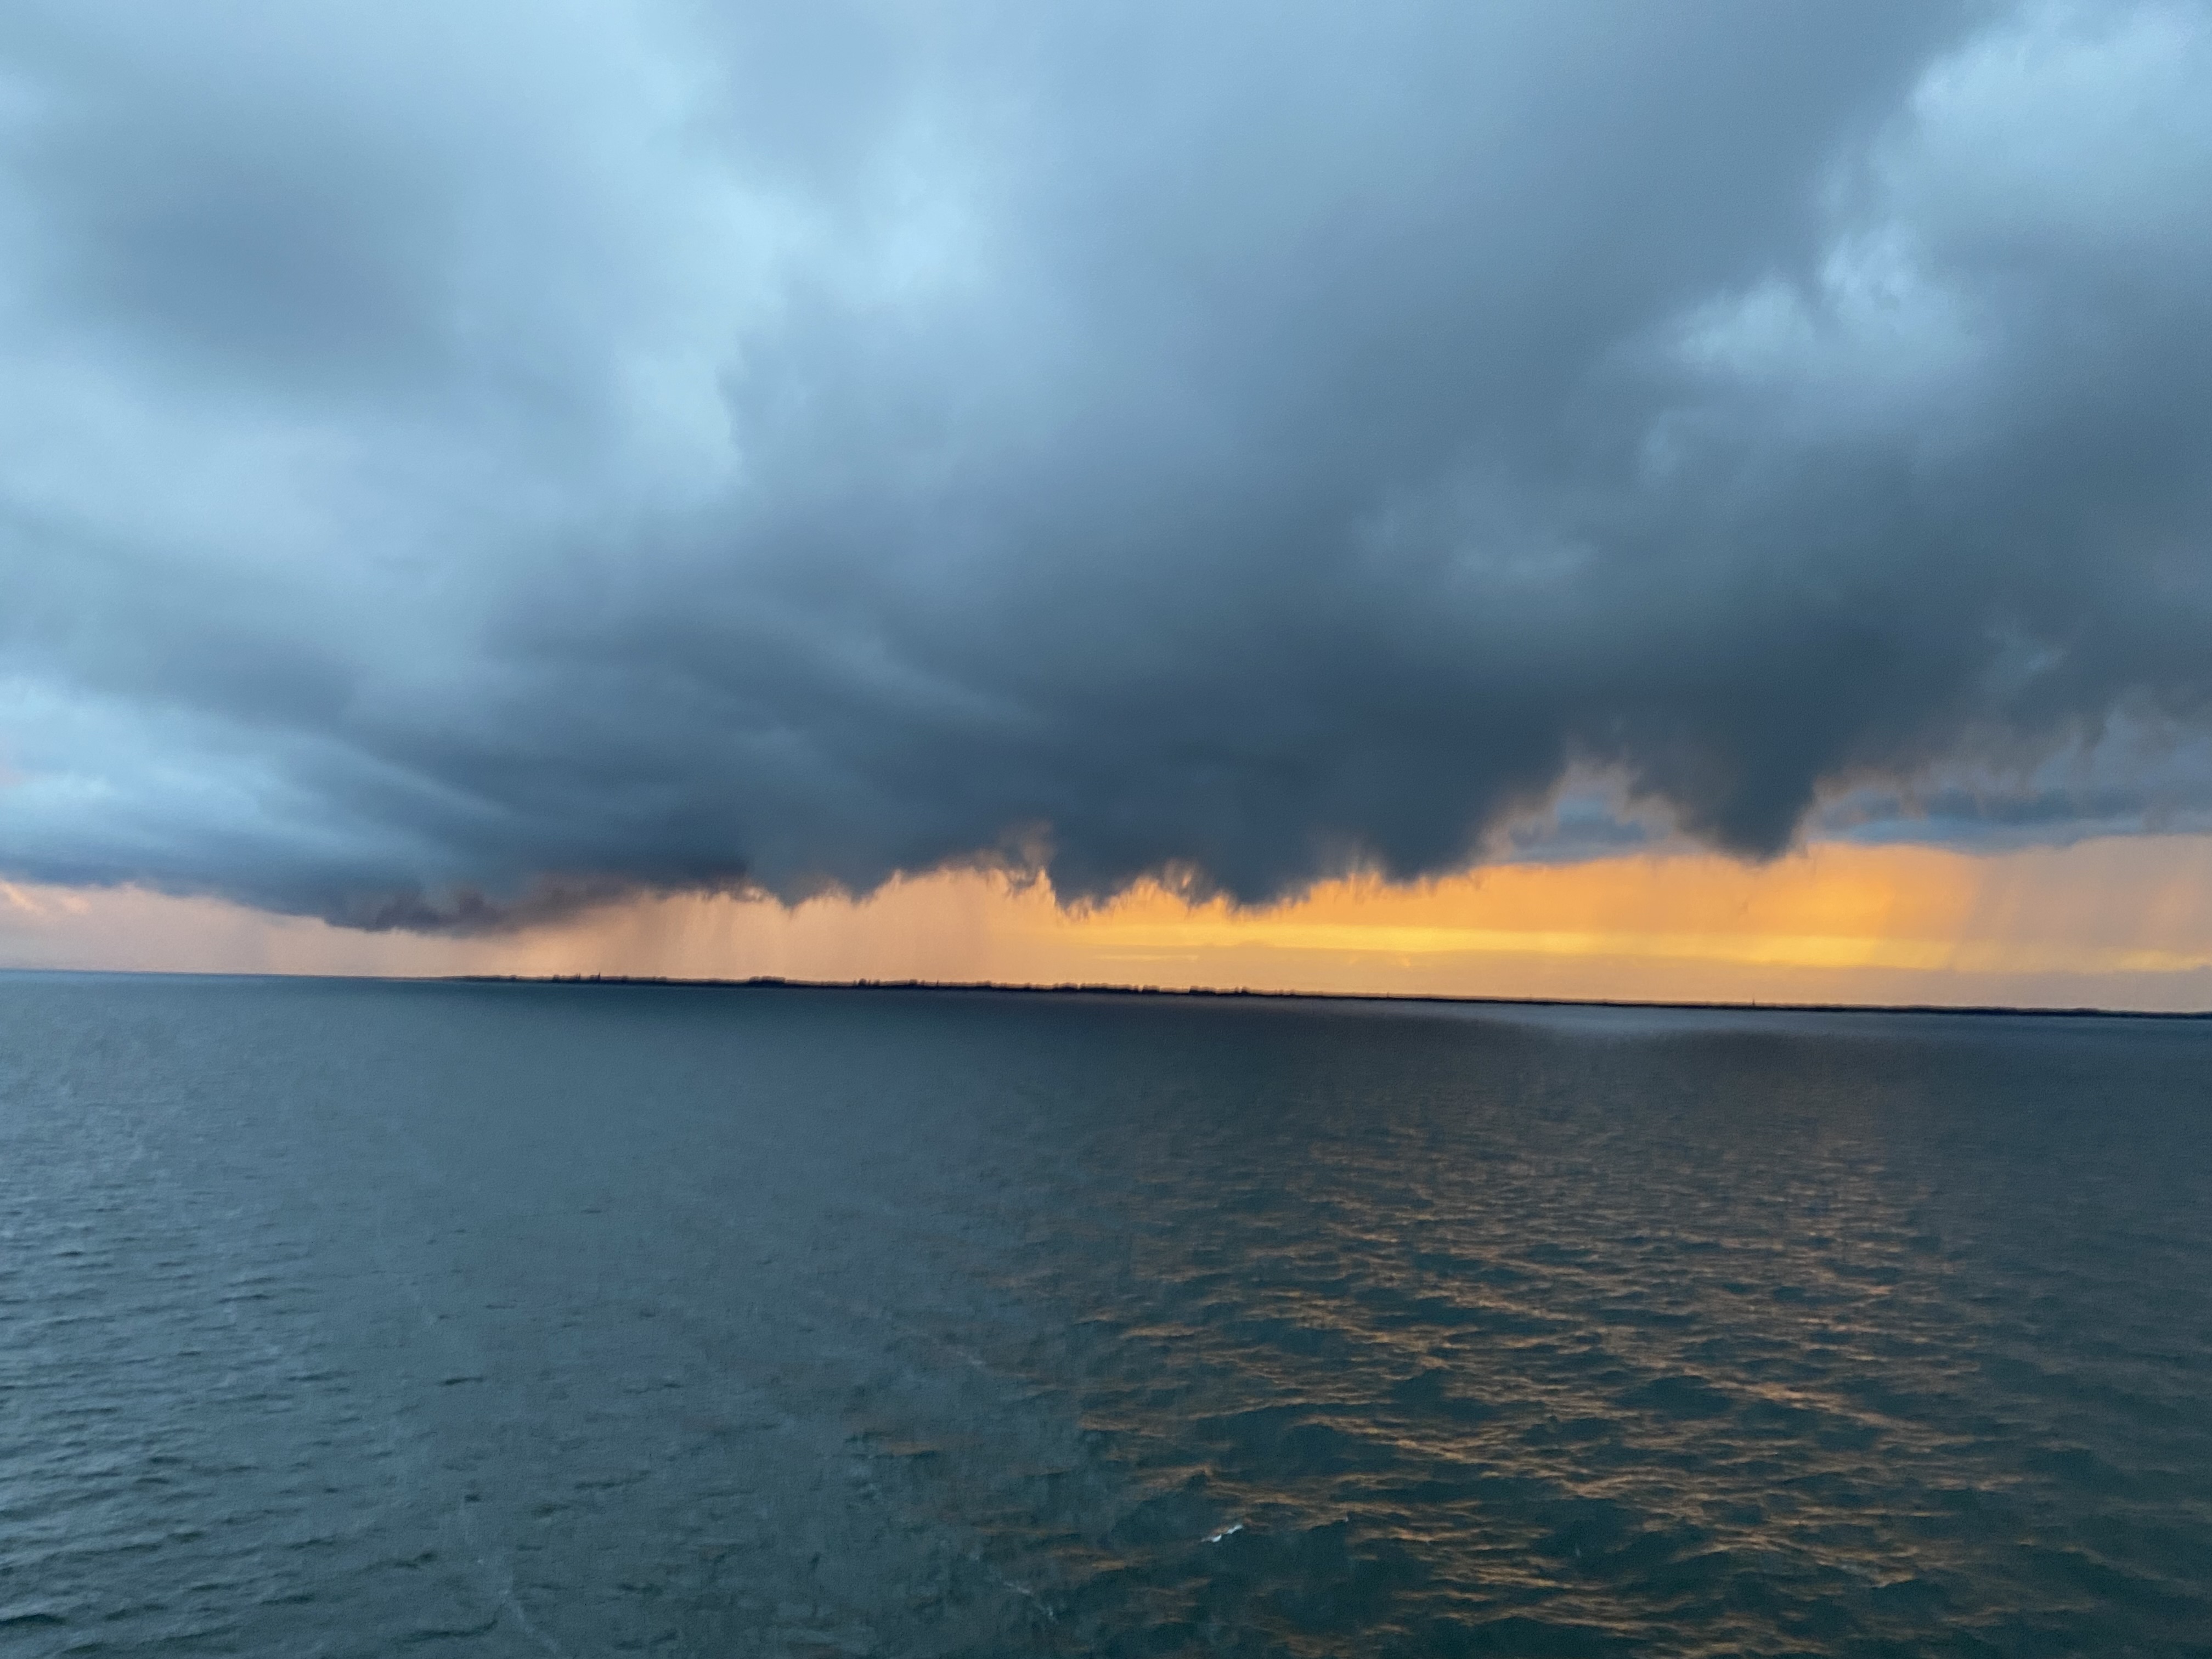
(345, 1318)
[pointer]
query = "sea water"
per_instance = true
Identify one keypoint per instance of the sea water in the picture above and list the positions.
(378, 1318)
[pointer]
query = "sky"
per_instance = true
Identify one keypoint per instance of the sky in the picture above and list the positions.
(1609, 500)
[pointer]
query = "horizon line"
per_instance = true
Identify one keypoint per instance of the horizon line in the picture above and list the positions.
(1070, 988)
(779, 982)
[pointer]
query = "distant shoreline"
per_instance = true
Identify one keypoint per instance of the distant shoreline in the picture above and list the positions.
(998, 988)
(778, 983)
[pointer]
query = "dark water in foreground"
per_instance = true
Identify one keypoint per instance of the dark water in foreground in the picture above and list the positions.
(364, 1319)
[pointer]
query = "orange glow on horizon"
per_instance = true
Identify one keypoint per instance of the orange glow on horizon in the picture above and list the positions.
(2123, 922)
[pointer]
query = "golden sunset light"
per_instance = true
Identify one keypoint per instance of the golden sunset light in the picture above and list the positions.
(2110, 923)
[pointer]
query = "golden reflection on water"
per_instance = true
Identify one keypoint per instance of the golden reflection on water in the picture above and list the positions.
(1622, 1332)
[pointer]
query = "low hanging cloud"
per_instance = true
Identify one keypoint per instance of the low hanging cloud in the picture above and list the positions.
(463, 462)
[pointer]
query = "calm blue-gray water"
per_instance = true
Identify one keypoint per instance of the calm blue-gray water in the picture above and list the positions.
(358, 1318)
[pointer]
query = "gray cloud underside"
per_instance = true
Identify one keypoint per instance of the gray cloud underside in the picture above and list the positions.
(461, 462)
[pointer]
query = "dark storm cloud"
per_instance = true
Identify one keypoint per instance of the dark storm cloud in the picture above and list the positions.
(461, 463)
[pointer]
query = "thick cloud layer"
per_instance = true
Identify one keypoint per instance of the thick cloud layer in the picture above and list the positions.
(459, 461)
